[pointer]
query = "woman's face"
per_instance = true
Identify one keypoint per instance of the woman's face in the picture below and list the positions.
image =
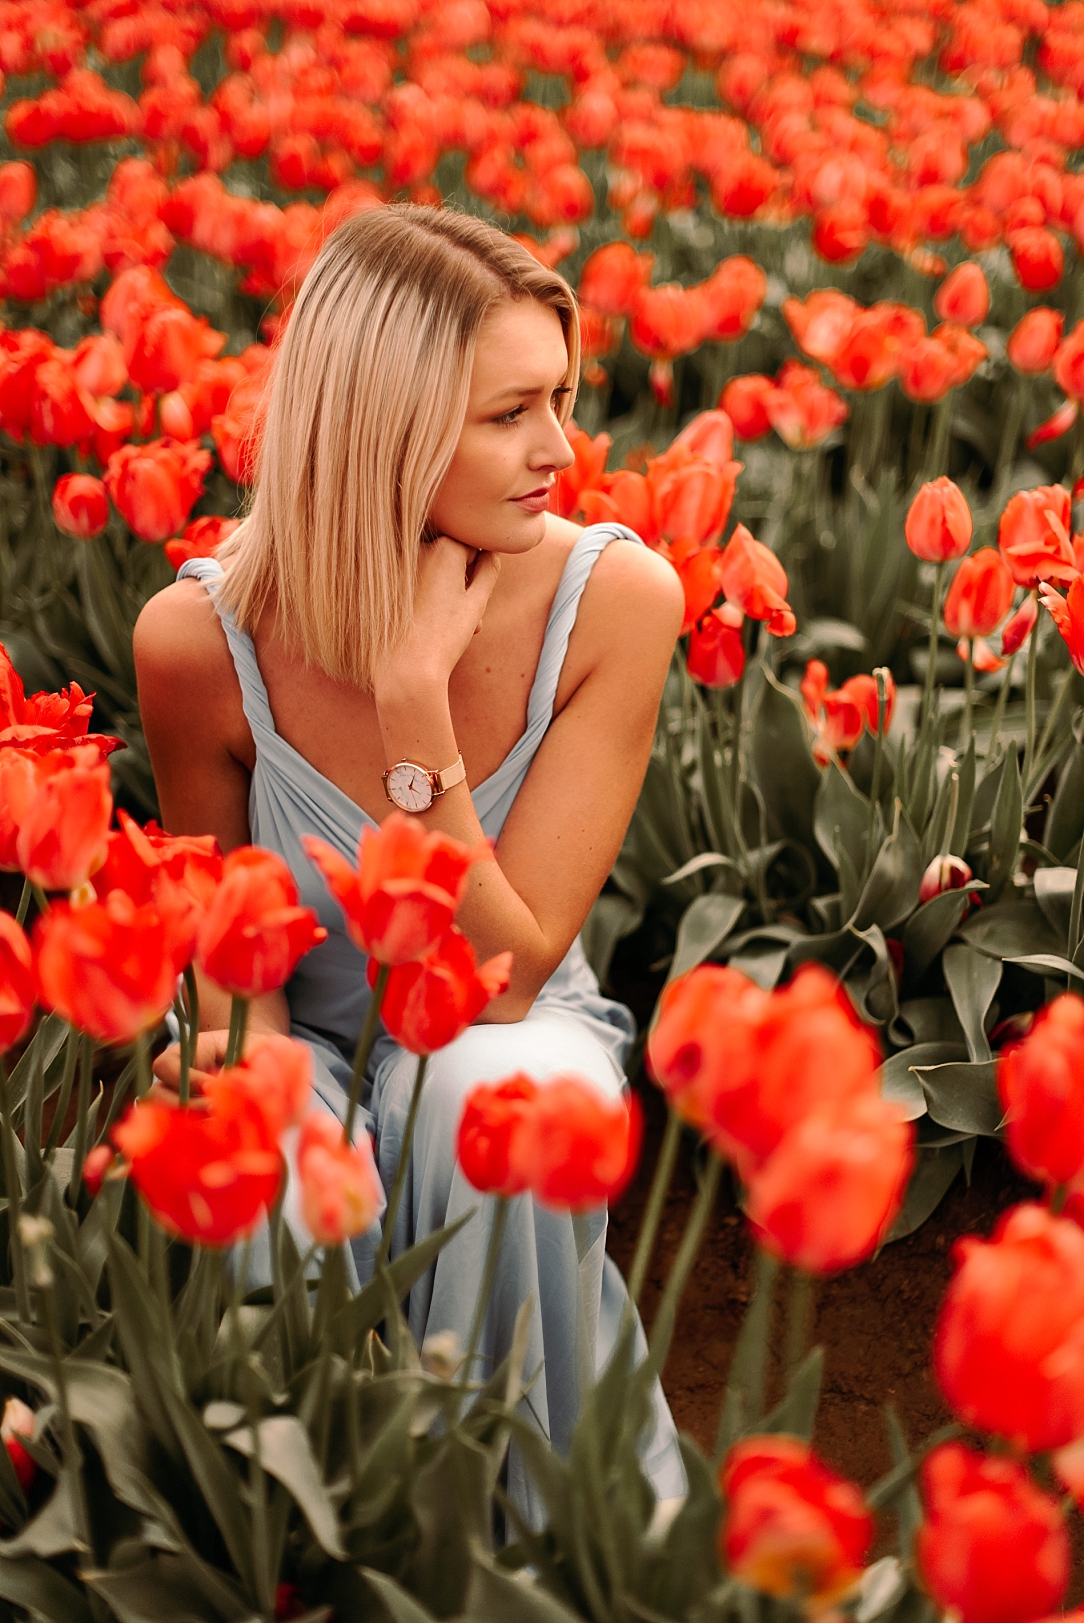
(512, 446)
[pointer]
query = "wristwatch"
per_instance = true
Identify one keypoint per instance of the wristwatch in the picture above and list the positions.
(414, 788)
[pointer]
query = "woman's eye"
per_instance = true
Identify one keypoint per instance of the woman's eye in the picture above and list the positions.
(509, 417)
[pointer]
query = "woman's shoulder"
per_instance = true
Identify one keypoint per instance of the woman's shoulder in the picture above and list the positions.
(630, 581)
(179, 630)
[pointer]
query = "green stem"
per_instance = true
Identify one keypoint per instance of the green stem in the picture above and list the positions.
(24, 903)
(364, 1049)
(144, 1077)
(73, 1460)
(401, 1166)
(489, 1274)
(939, 436)
(880, 675)
(71, 1055)
(799, 1322)
(969, 687)
(40, 898)
(1010, 435)
(663, 1328)
(14, 1194)
(188, 1049)
(86, 1072)
(1029, 700)
(1076, 909)
(999, 711)
(238, 1021)
(935, 638)
(649, 1227)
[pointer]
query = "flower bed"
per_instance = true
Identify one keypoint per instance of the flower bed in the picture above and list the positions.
(828, 256)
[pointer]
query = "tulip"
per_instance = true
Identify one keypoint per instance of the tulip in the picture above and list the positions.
(869, 355)
(155, 486)
(164, 350)
(80, 506)
(1037, 256)
(744, 401)
(403, 895)
(979, 596)
(18, 191)
(575, 1149)
(731, 297)
(840, 233)
(99, 364)
(1020, 1375)
(938, 523)
(665, 321)
(927, 370)
(613, 276)
(801, 409)
(1034, 340)
(429, 1002)
(943, 873)
(341, 1192)
(1033, 536)
(105, 967)
(275, 1076)
(716, 649)
(254, 932)
(754, 581)
(201, 539)
(821, 322)
(62, 831)
(701, 580)
(993, 1548)
(153, 869)
(586, 471)
(826, 1196)
(1068, 615)
(18, 1417)
(708, 438)
(61, 413)
(18, 985)
(791, 1528)
(692, 501)
(1017, 628)
(1068, 362)
(492, 1115)
(1041, 1084)
(963, 296)
(208, 1175)
(744, 1065)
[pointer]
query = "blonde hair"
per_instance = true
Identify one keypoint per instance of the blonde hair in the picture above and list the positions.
(366, 401)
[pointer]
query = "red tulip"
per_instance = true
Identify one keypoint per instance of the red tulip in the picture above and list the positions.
(745, 402)
(666, 321)
(575, 1149)
(80, 506)
(980, 595)
(821, 322)
(692, 500)
(155, 486)
(585, 472)
(1034, 340)
(754, 581)
(1068, 361)
(731, 297)
(341, 1192)
(18, 1419)
(841, 232)
(99, 364)
(1037, 256)
(928, 369)
(208, 1174)
(1041, 1084)
(493, 1112)
(943, 873)
(1020, 1375)
(105, 967)
(708, 438)
(1018, 627)
(18, 191)
(1068, 616)
(275, 1076)
(716, 649)
(62, 829)
(826, 1196)
(963, 296)
(613, 276)
(701, 579)
(1034, 536)
(993, 1548)
(18, 985)
(404, 893)
(61, 413)
(938, 523)
(254, 932)
(165, 348)
(801, 409)
(791, 1528)
(428, 1003)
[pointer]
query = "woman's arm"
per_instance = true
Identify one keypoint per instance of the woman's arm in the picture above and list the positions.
(202, 765)
(569, 818)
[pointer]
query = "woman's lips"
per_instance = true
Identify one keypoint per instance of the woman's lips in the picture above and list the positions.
(537, 501)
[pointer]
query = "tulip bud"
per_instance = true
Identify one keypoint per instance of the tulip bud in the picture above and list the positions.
(18, 1421)
(80, 506)
(938, 524)
(1017, 628)
(96, 1165)
(963, 296)
(943, 873)
(1034, 340)
(441, 1355)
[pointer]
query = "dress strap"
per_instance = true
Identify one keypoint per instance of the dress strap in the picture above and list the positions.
(257, 706)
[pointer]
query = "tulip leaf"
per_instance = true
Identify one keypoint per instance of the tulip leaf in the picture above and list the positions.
(400, 1606)
(705, 924)
(962, 1097)
(937, 828)
(1054, 889)
(961, 828)
(1009, 929)
(935, 1170)
(797, 1412)
(286, 1454)
(972, 979)
(364, 1311)
(55, 1530)
(786, 774)
(926, 1020)
(899, 1081)
(1051, 962)
(744, 1400)
(762, 953)
(167, 1587)
(40, 1590)
(1006, 821)
(1065, 818)
(216, 1481)
(449, 1497)
(44, 1047)
(840, 817)
(612, 917)
(932, 925)
(496, 1597)
(706, 859)
(891, 892)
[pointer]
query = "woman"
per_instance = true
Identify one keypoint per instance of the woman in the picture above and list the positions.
(399, 593)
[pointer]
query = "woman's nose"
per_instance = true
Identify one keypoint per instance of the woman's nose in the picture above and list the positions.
(554, 452)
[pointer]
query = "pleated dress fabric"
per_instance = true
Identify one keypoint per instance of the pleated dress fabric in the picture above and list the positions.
(571, 1027)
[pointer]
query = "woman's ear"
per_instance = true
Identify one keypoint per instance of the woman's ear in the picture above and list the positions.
(429, 531)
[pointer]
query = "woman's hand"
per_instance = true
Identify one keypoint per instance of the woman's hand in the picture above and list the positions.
(209, 1057)
(454, 587)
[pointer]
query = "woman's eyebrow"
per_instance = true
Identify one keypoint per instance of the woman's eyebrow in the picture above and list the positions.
(513, 391)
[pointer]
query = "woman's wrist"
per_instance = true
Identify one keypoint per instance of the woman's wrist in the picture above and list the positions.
(416, 724)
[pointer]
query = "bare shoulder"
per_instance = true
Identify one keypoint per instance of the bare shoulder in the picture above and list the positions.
(633, 589)
(184, 668)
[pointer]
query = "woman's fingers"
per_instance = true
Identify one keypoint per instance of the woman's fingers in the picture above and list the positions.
(210, 1052)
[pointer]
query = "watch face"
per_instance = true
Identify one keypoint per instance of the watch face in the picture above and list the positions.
(409, 788)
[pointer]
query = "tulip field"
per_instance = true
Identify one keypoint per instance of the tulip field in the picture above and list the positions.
(830, 262)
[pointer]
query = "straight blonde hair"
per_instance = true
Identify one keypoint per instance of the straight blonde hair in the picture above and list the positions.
(365, 404)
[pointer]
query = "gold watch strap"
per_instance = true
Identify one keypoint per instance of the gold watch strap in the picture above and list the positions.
(450, 776)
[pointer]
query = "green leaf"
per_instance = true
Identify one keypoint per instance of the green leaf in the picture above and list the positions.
(937, 827)
(899, 1082)
(495, 1597)
(891, 892)
(743, 1401)
(1010, 929)
(1048, 963)
(908, 1503)
(365, 1310)
(45, 1046)
(217, 1482)
(841, 820)
(786, 774)
(450, 1500)
(926, 1020)
(167, 1588)
(55, 1528)
(1054, 893)
(1065, 819)
(798, 1410)
(972, 980)
(932, 925)
(39, 1589)
(963, 1097)
(612, 917)
(286, 1454)
(400, 1607)
(1006, 822)
(705, 923)
(934, 1171)
(965, 770)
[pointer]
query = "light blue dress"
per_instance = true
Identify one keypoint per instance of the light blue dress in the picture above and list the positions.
(570, 1027)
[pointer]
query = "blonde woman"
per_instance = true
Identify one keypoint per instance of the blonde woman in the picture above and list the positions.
(399, 593)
